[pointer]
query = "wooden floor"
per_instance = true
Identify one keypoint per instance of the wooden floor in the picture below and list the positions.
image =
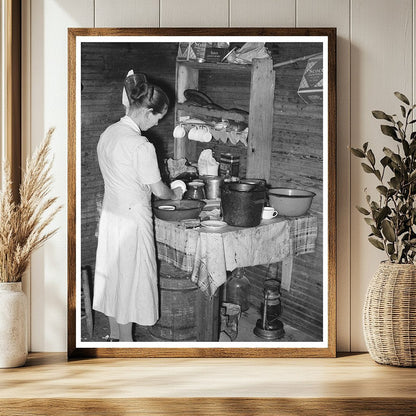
(350, 384)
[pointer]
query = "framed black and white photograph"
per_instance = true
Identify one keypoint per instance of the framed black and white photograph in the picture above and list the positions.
(201, 192)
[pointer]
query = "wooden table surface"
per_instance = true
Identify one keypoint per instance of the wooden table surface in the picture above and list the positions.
(349, 384)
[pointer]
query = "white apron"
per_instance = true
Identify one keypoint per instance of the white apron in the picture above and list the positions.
(125, 285)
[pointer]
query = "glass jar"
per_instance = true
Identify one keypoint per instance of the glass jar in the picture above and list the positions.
(238, 289)
(195, 191)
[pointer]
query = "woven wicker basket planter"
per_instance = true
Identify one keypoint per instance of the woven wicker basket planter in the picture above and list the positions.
(390, 315)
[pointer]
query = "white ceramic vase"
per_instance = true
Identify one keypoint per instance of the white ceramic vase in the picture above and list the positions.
(13, 325)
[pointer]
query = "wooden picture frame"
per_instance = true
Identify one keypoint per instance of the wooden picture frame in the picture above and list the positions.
(303, 120)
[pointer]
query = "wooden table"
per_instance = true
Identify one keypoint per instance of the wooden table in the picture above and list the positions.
(348, 385)
(190, 250)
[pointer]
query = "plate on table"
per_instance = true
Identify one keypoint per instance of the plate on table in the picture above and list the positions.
(213, 224)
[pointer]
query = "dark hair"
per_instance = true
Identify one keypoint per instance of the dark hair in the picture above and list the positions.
(149, 96)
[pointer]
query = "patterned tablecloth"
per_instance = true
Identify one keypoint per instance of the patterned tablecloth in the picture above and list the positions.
(208, 254)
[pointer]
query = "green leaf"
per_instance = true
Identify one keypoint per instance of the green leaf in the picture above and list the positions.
(385, 161)
(371, 158)
(376, 243)
(389, 131)
(402, 97)
(388, 230)
(406, 147)
(370, 221)
(378, 174)
(382, 189)
(365, 145)
(413, 121)
(357, 152)
(374, 205)
(397, 159)
(412, 176)
(381, 115)
(403, 111)
(395, 183)
(382, 214)
(362, 210)
(390, 248)
(393, 156)
(376, 231)
(367, 168)
(388, 152)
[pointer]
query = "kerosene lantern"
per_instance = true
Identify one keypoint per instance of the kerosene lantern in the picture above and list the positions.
(269, 326)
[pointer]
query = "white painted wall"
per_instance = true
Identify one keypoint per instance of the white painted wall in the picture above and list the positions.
(376, 56)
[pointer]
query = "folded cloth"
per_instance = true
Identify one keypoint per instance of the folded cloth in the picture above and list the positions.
(207, 165)
(209, 271)
(218, 252)
(174, 245)
(124, 98)
(248, 52)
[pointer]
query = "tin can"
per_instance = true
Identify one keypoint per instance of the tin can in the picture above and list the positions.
(229, 163)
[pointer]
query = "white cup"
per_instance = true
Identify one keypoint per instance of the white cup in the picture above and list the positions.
(268, 213)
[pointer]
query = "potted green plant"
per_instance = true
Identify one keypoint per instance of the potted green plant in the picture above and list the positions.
(390, 306)
(23, 228)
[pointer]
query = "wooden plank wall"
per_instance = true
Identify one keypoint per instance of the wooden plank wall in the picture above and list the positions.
(297, 163)
(102, 75)
(296, 154)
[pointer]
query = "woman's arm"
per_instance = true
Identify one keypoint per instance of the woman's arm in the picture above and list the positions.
(162, 191)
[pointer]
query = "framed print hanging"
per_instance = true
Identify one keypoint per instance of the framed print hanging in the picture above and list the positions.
(201, 192)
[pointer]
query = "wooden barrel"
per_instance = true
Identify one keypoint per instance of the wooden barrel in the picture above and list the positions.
(177, 306)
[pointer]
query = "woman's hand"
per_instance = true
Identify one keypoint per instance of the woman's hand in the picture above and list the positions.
(163, 191)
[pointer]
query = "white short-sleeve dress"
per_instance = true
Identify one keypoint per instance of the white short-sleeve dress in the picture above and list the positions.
(125, 285)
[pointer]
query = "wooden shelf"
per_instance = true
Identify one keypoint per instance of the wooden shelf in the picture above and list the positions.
(260, 114)
(215, 66)
(349, 384)
(198, 111)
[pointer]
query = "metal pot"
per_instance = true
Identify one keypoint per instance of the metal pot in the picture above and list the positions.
(213, 186)
(242, 204)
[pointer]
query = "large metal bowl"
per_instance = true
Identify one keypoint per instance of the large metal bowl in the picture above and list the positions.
(290, 202)
(184, 210)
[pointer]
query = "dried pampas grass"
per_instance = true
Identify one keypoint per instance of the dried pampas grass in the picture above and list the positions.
(23, 225)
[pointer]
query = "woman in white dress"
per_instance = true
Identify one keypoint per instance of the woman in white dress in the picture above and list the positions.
(125, 285)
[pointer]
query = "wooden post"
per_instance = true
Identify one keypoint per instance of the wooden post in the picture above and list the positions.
(179, 147)
(85, 287)
(260, 119)
(186, 78)
(207, 317)
(287, 268)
